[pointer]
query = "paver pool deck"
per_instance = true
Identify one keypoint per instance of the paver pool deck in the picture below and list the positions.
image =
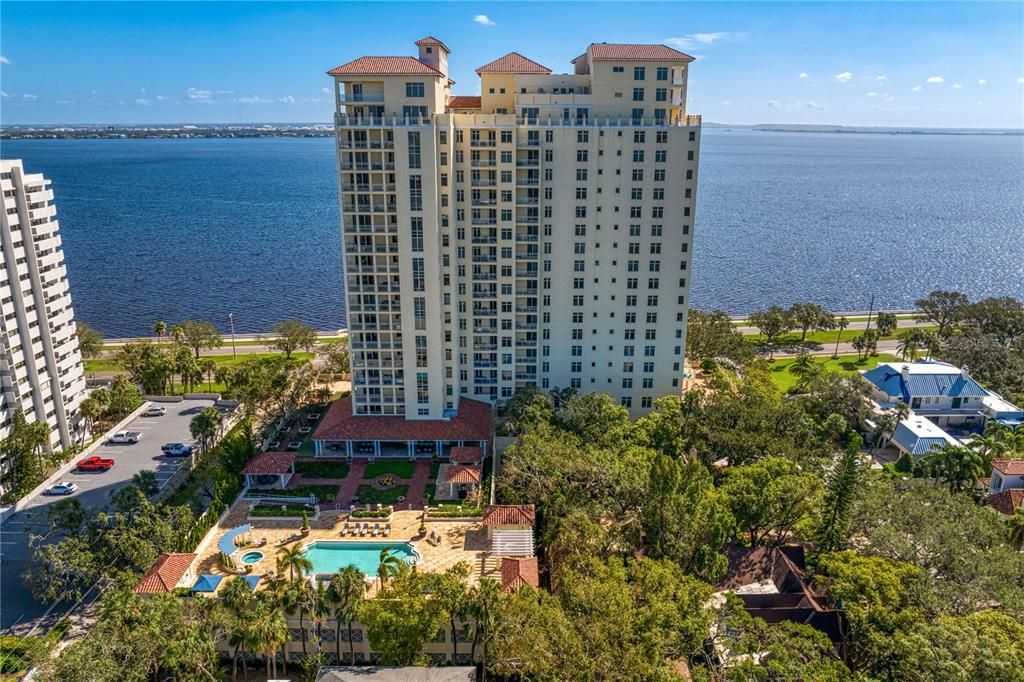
(460, 541)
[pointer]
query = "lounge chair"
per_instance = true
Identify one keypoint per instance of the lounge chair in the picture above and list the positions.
(377, 530)
(387, 530)
(363, 529)
(344, 530)
(373, 532)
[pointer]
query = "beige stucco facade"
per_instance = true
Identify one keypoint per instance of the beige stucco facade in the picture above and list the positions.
(543, 238)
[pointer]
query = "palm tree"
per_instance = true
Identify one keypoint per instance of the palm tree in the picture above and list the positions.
(451, 592)
(293, 560)
(805, 369)
(390, 566)
(146, 482)
(91, 410)
(484, 600)
(205, 427)
(295, 601)
(269, 632)
(958, 467)
(345, 591)
(236, 596)
(208, 366)
(885, 424)
(159, 329)
(908, 346)
(841, 324)
(1015, 529)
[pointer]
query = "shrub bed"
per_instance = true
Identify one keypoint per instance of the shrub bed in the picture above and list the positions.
(370, 514)
(367, 494)
(322, 469)
(296, 510)
(324, 493)
(448, 510)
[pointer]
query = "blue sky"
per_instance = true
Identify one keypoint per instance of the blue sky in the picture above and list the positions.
(923, 64)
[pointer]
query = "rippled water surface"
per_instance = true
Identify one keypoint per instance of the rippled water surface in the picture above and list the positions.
(171, 229)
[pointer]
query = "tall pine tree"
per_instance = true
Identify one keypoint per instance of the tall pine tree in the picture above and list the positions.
(842, 485)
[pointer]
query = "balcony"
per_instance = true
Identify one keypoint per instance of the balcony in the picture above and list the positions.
(529, 162)
(528, 143)
(484, 182)
(485, 221)
(483, 143)
(360, 97)
(483, 163)
(527, 201)
(367, 144)
(525, 181)
(484, 277)
(484, 240)
(527, 237)
(484, 202)
(527, 220)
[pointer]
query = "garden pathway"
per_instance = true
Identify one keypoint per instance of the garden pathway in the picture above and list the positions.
(418, 484)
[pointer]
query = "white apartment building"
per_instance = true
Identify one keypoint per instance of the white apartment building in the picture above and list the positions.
(41, 371)
(539, 234)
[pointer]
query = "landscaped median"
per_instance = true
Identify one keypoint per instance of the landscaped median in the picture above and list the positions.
(289, 510)
(455, 511)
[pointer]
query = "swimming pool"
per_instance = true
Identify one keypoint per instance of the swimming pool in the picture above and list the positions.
(251, 557)
(329, 556)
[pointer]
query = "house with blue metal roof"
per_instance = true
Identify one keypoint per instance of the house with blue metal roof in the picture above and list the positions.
(942, 398)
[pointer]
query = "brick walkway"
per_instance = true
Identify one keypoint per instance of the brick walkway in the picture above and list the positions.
(417, 485)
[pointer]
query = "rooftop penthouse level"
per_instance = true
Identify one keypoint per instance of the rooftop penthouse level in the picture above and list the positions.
(611, 84)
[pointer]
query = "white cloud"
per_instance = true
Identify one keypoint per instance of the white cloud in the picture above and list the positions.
(804, 74)
(1020, 81)
(199, 95)
(890, 98)
(255, 99)
(872, 94)
(142, 102)
(66, 102)
(326, 91)
(725, 103)
(4, 60)
(142, 90)
(484, 20)
(691, 40)
(3, 94)
(916, 88)
(935, 79)
(30, 98)
(815, 105)
(881, 78)
(774, 104)
(844, 77)
(287, 99)
(957, 86)
(161, 98)
(982, 81)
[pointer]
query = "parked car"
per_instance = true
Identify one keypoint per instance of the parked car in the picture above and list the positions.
(64, 488)
(178, 450)
(155, 411)
(125, 437)
(95, 463)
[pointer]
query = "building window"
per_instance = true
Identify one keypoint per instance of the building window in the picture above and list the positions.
(417, 234)
(618, 69)
(422, 392)
(418, 279)
(638, 73)
(414, 90)
(415, 193)
(661, 95)
(662, 73)
(638, 94)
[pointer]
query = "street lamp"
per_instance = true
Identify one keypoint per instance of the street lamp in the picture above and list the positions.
(231, 321)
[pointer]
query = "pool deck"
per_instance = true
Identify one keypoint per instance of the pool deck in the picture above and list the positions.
(461, 541)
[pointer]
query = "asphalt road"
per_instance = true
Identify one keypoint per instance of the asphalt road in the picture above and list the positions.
(94, 490)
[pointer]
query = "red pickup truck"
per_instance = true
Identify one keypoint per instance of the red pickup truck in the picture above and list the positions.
(95, 463)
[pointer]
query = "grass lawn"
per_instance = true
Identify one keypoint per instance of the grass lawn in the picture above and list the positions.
(109, 364)
(324, 493)
(322, 468)
(367, 494)
(308, 448)
(827, 338)
(246, 343)
(844, 363)
(399, 469)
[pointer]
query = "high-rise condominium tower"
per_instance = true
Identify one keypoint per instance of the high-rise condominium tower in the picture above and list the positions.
(41, 370)
(539, 234)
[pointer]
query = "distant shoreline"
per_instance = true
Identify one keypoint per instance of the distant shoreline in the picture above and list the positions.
(297, 130)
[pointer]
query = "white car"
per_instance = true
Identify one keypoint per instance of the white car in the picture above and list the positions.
(125, 437)
(155, 411)
(64, 488)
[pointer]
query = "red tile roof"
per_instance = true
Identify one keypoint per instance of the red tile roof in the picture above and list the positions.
(384, 66)
(508, 515)
(431, 40)
(165, 573)
(270, 463)
(466, 455)
(1006, 501)
(513, 62)
(472, 423)
(519, 571)
(637, 53)
(1010, 467)
(462, 473)
(463, 102)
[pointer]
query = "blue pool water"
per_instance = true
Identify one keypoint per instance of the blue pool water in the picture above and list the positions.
(330, 556)
(251, 557)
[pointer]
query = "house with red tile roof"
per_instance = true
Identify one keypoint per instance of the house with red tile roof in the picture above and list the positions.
(510, 528)
(169, 571)
(518, 572)
(1007, 501)
(270, 469)
(1006, 474)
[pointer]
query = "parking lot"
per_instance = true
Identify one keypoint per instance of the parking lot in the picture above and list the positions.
(94, 490)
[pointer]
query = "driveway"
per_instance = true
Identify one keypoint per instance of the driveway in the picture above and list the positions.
(94, 490)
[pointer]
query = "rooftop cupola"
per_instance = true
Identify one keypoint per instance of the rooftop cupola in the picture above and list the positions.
(434, 54)
(965, 373)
